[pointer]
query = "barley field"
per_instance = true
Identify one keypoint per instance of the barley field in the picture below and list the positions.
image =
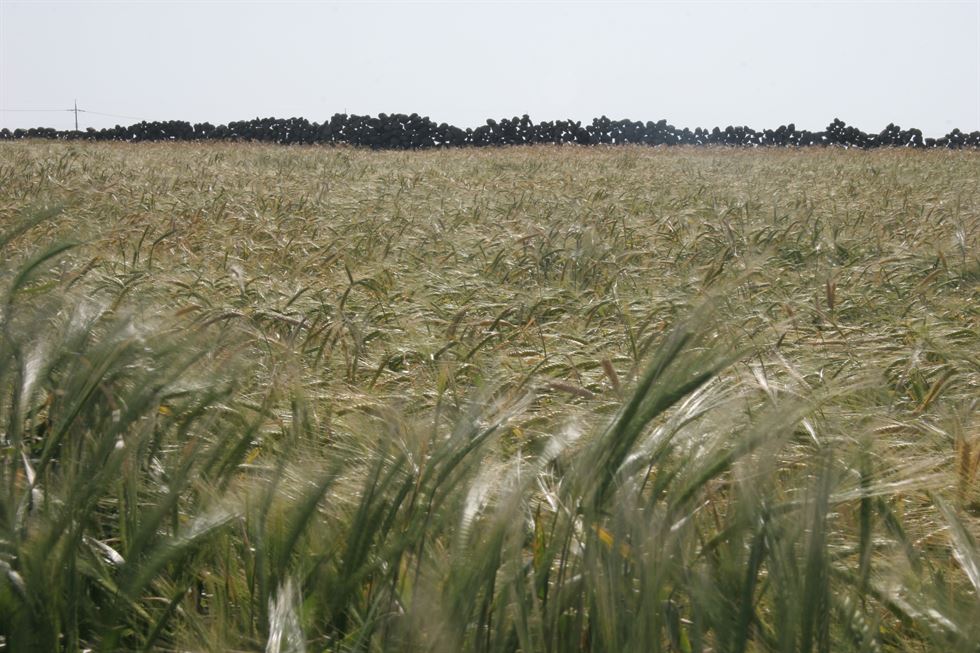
(260, 398)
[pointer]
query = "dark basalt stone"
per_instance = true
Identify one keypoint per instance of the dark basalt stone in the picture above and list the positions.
(412, 131)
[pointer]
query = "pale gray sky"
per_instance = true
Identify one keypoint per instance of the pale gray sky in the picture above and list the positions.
(694, 63)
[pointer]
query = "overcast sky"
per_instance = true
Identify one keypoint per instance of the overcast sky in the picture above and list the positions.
(703, 64)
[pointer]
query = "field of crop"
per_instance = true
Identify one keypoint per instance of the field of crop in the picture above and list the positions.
(523, 399)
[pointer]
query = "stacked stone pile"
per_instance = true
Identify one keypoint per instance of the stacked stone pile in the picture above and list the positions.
(413, 132)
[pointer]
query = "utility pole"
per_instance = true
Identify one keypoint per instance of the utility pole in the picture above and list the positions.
(76, 114)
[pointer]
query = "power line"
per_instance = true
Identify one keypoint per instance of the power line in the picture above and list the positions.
(74, 110)
(110, 115)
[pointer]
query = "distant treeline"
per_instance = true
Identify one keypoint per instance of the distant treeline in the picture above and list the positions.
(413, 132)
